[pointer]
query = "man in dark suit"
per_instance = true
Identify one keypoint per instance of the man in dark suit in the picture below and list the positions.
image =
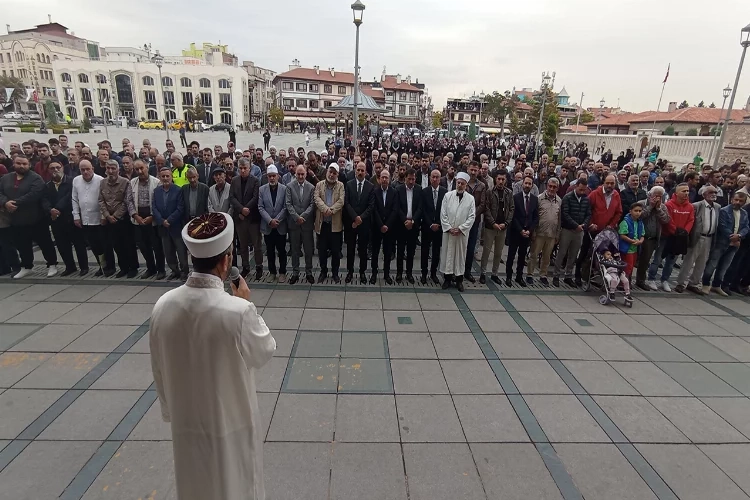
(385, 220)
(410, 215)
(194, 196)
(243, 198)
(525, 220)
(205, 166)
(57, 202)
(168, 208)
(359, 200)
(432, 233)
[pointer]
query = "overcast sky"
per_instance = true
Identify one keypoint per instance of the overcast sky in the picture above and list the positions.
(613, 49)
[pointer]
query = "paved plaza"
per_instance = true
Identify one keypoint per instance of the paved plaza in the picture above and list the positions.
(380, 392)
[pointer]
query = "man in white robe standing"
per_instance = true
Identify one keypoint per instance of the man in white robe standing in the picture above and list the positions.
(205, 348)
(456, 218)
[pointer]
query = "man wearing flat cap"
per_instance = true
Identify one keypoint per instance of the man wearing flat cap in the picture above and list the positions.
(205, 349)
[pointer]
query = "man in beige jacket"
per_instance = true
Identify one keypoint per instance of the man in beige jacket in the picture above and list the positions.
(329, 202)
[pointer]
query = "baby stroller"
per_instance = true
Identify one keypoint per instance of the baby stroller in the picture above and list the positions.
(606, 240)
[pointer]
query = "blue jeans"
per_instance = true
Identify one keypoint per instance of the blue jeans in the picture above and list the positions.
(473, 235)
(669, 260)
(720, 260)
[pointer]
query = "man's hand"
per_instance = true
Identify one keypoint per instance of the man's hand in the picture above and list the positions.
(274, 223)
(77, 222)
(409, 223)
(383, 229)
(111, 219)
(165, 223)
(454, 231)
(358, 220)
(525, 233)
(579, 228)
(593, 227)
(54, 213)
(104, 221)
(328, 212)
(435, 227)
(10, 206)
(242, 291)
(300, 220)
(245, 211)
(242, 217)
(138, 219)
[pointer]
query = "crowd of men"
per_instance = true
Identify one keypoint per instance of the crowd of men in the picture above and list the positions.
(384, 197)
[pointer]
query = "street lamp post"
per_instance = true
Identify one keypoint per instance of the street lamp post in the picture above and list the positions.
(745, 42)
(601, 111)
(481, 101)
(545, 84)
(158, 59)
(725, 93)
(580, 107)
(358, 9)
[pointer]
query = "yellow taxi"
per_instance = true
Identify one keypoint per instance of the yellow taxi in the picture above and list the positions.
(176, 124)
(151, 124)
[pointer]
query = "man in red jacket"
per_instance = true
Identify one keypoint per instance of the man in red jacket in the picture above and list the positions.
(606, 211)
(681, 216)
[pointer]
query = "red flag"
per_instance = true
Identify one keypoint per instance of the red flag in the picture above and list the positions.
(36, 96)
(667, 75)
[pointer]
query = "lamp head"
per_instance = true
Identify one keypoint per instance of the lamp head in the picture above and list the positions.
(358, 9)
(726, 91)
(601, 103)
(745, 36)
(158, 59)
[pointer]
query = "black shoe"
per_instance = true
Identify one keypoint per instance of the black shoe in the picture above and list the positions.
(294, 279)
(544, 281)
(556, 282)
(570, 282)
(482, 279)
(399, 278)
(183, 277)
(496, 280)
(147, 275)
(446, 284)
(68, 272)
(726, 290)
(642, 285)
(348, 278)
(84, 271)
(121, 274)
(410, 279)
(322, 277)
(468, 277)
(258, 273)
(521, 282)
(132, 274)
(336, 279)
(99, 272)
(509, 282)
(109, 272)
(173, 276)
(160, 275)
(373, 279)
(388, 280)
(435, 279)
(310, 278)
(245, 272)
(363, 278)
(578, 282)
(423, 279)
(529, 280)
(460, 286)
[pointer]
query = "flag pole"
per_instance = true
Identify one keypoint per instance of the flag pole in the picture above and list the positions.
(663, 84)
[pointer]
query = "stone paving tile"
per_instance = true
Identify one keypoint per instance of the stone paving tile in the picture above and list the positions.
(513, 346)
(513, 471)
(284, 342)
(660, 325)
(363, 320)
(61, 371)
(418, 377)
(601, 472)
(16, 365)
(526, 302)
(482, 302)
(267, 405)
(117, 294)
(94, 415)
(456, 346)
(735, 374)
(729, 324)
(10, 335)
(303, 417)
(299, 471)
(149, 295)
(445, 321)
(138, 470)
(282, 319)
(566, 346)
(429, 465)
(733, 410)
(561, 303)
(697, 421)
(535, 377)
(623, 325)
(360, 375)
(373, 470)
(489, 418)
(19, 408)
(690, 473)
(399, 301)
(327, 300)
(363, 345)
(50, 338)
(598, 377)
(43, 313)
(363, 300)
(564, 419)
(699, 349)
(490, 321)
(289, 298)
(129, 314)
(153, 428)
(697, 379)
(612, 348)
(584, 323)
(656, 349)
(740, 306)
(10, 308)
(37, 293)
(436, 302)
(44, 469)
(428, 419)
(404, 321)
(318, 344)
(640, 306)
(142, 346)
(365, 418)
(470, 377)
(260, 296)
(101, 338)
(733, 459)
(639, 421)
(668, 305)
(3, 443)
(542, 322)
(77, 293)
(697, 325)
(590, 303)
(270, 376)
(87, 314)
(648, 379)
(411, 345)
(736, 347)
(131, 371)
(8, 289)
(702, 308)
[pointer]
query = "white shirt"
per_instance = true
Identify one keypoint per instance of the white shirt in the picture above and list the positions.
(86, 200)
(608, 198)
(409, 198)
(425, 180)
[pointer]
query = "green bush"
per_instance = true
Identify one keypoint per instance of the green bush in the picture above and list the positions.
(669, 130)
(691, 131)
(28, 128)
(57, 130)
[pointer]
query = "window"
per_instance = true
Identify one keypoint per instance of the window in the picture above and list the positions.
(313, 87)
(101, 78)
(11, 74)
(401, 109)
(168, 98)
(327, 104)
(65, 77)
(72, 112)
(209, 119)
(148, 81)
(186, 82)
(226, 118)
(187, 98)
(342, 90)
(1, 58)
(301, 103)
(301, 87)
(88, 111)
(460, 117)
(412, 110)
(204, 83)
(170, 114)
(167, 82)
(206, 99)
(287, 103)
(287, 86)
(151, 114)
(402, 96)
(4, 74)
(327, 89)
(225, 100)
(103, 95)
(149, 96)
(86, 95)
(389, 108)
(224, 84)
(389, 94)
(124, 89)
(413, 96)
(314, 104)
(47, 59)
(83, 78)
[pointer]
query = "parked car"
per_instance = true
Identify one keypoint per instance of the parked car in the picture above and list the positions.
(34, 116)
(132, 122)
(96, 120)
(199, 126)
(175, 124)
(387, 132)
(151, 125)
(12, 116)
(221, 127)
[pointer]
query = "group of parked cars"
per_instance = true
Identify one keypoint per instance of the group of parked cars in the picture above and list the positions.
(24, 117)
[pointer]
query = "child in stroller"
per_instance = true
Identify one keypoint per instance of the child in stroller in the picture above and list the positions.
(611, 267)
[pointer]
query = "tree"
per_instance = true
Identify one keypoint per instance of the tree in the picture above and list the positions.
(276, 115)
(11, 82)
(586, 117)
(701, 104)
(692, 131)
(499, 106)
(683, 105)
(437, 119)
(712, 105)
(50, 112)
(198, 112)
(668, 131)
(550, 120)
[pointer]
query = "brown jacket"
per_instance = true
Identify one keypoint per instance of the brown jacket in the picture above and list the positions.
(320, 204)
(492, 203)
(114, 198)
(478, 193)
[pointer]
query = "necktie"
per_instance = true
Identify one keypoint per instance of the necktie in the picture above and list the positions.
(359, 188)
(710, 219)
(434, 197)
(526, 208)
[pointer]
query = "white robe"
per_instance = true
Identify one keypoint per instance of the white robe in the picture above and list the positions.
(205, 347)
(460, 214)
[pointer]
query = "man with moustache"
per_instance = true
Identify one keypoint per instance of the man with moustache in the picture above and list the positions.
(145, 230)
(115, 202)
(432, 235)
(358, 206)
(385, 219)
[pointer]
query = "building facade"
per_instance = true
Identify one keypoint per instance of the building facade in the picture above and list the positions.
(260, 90)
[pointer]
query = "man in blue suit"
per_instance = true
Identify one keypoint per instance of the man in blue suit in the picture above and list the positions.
(272, 208)
(525, 220)
(733, 228)
(167, 209)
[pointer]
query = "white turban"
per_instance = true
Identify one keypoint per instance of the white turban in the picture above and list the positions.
(463, 175)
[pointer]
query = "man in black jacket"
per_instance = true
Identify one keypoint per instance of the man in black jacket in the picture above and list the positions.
(57, 202)
(385, 220)
(631, 194)
(432, 233)
(575, 215)
(243, 198)
(525, 220)
(359, 200)
(410, 215)
(21, 194)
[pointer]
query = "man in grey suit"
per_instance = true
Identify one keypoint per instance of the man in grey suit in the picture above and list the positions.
(299, 207)
(272, 208)
(195, 196)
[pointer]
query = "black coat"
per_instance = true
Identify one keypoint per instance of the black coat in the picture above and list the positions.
(358, 205)
(628, 197)
(522, 222)
(61, 199)
(416, 207)
(430, 213)
(247, 199)
(385, 214)
(28, 197)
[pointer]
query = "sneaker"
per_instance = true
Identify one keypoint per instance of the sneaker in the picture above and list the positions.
(719, 291)
(529, 280)
(282, 278)
(695, 289)
(556, 282)
(543, 280)
(51, 271)
(665, 286)
(271, 278)
(22, 273)
(652, 285)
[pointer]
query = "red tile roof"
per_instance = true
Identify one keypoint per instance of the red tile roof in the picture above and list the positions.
(689, 115)
(375, 93)
(323, 75)
(576, 129)
(621, 120)
(390, 84)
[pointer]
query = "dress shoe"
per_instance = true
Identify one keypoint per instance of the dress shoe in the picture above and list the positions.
(322, 277)
(460, 285)
(245, 271)
(423, 279)
(121, 273)
(173, 276)
(109, 272)
(132, 274)
(556, 282)
(578, 282)
(160, 275)
(496, 280)
(509, 282)
(336, 279)
(570, 282)
(544, 281)
(468, 277)
(310, 278)
(68, 272)
(388, 280)
(258, 273)
(410, 279)
(399, 278)
(147, 275)
(99, 272)
(84, 271)
(446, 284)
(362, 278)
(348, 278)
(373, 279)
(482, 279)
(293, 279)
(521, 282)
(271, 278)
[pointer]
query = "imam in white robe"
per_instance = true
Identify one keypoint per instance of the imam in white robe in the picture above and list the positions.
(459, 214)
(205, 348)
